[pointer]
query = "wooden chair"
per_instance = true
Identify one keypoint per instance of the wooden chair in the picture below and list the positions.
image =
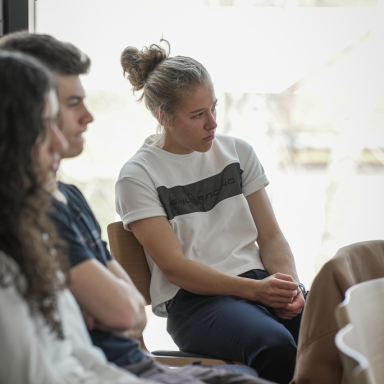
(130, 254)
(361, 339)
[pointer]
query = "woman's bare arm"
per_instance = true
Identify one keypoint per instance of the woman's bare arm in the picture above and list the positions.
(274, 249)
(161, 242)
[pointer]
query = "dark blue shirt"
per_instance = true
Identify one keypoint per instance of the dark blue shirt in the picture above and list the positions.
(77, 224)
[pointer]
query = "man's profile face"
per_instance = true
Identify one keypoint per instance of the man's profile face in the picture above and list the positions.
(75, 116)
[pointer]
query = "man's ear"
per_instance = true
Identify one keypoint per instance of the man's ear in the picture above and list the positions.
(161, 117)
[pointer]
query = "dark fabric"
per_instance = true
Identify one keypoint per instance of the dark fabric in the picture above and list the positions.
(118, 349)
(191, 374)
(318, 360)
(232, 328)
(77, 225)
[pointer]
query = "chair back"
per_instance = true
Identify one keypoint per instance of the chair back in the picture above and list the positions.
(130, 254)
(361, 341)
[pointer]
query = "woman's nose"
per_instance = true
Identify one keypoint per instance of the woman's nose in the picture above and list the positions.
(211, 123)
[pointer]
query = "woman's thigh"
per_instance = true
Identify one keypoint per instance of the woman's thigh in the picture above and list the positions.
(232, 328)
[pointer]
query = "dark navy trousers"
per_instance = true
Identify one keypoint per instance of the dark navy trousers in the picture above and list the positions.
(233, 328)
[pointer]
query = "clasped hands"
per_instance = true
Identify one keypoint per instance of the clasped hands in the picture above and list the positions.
(281, 292)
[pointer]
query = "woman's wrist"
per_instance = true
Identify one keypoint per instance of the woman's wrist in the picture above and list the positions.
(247, 288)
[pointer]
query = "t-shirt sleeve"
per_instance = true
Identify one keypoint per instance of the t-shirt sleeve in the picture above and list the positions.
(87, 209)
(135, 200)
(77, 248)
(71, 229)
(254, 177)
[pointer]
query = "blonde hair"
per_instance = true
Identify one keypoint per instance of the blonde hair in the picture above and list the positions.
(165, 81)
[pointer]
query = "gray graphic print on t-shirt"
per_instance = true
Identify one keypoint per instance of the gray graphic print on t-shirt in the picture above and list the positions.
(203, 195)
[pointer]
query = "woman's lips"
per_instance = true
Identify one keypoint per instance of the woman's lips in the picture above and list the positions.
(209, 138)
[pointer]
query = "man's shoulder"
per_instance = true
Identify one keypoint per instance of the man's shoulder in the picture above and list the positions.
(70, 189)
(74, 196)
(76, 202)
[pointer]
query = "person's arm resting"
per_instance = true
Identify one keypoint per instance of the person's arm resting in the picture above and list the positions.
(161, 242)
(274, 249)
(141, 319)
(107, 294)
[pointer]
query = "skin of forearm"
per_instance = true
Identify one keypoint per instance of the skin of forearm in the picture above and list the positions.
(136, 298)
(137, 322)
(109, 299)
(137, 329)
(133, 332)
(276, 256)
(204, 280)
(160, 241)
(123, 313)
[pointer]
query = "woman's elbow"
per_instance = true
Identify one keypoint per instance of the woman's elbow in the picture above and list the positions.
(172, 276)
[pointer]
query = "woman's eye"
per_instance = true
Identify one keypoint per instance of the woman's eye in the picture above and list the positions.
(199, 115)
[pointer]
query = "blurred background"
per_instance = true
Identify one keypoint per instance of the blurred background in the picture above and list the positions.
(301, 80)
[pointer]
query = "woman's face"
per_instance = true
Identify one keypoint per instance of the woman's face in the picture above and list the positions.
(193, 126)
(47, 150)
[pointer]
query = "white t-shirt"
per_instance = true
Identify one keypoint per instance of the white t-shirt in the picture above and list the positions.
(203, 196)
(31, 354)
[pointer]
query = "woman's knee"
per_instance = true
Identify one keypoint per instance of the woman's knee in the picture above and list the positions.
(277, 343)
(275, 358)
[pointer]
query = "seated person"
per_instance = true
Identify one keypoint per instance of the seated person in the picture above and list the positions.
(111, 304)
(116, 303)
(196, 201)
(318, 359)
(43, 336)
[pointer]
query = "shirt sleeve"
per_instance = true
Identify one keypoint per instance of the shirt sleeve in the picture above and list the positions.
(254, 177)
(77, 247)
(135, 200)
(74, 196)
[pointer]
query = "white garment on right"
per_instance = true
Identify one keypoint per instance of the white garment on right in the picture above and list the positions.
(203, 194)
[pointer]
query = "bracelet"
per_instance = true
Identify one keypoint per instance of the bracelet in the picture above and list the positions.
(302, 288)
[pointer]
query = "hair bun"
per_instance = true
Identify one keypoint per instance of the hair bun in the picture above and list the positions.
(139, 64)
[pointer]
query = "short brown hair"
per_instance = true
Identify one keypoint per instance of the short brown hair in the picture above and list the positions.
(60, 57)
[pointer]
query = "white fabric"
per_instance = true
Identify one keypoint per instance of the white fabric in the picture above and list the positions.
(224, 237)
(31, 353)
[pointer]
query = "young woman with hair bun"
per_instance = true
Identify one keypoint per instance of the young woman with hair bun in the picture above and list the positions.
(222, 271)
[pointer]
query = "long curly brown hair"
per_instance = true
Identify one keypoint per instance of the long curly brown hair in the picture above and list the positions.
(26, 233)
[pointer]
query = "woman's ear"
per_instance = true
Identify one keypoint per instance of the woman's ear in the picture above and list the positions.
(161, 117)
